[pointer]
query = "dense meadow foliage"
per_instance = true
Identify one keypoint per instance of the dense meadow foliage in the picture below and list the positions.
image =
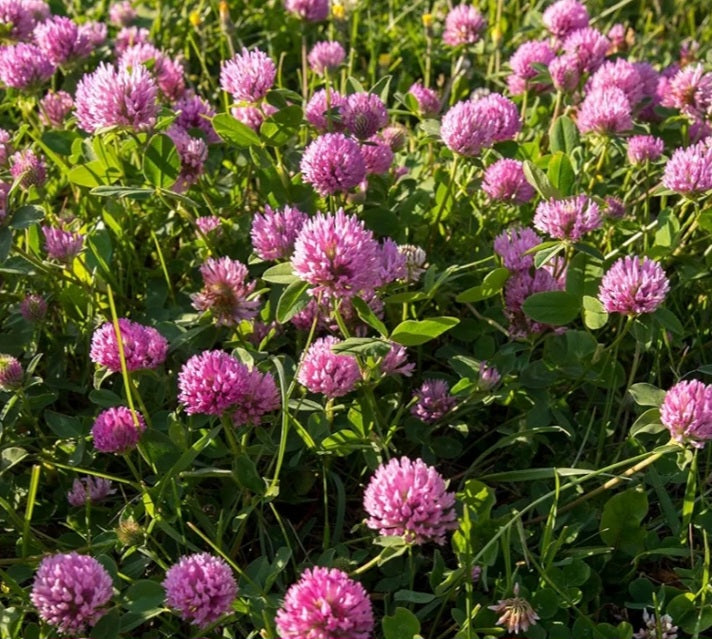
(355, 319)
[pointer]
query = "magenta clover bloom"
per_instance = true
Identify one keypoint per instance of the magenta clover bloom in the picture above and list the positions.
(116, 431)
(16, 19)
(333, 163)
(689, 170)
(377, 155)
(89, 489)
(195, 112)
(201, 588)
(122, 14)
(504, 181)
(61, 41)
(522, 62)
(55, 107)
(512, 245)
(248, 75)
(633, 286)
(605, 111)
(588, 46)
(622, 75)
(144, 347)
(33, 308)
(62, 245)
(568, 219)
(326, 56)
(410, 499)
(325, 604)
(323, 111)
(686, 412)
(129, 37)
(427, 99)
(27, 168)
(565, 16)
(5, 146)
(644, 148)
(690, 90)
(326, 372)
(275, 232)
(24, 66)
(520, 285)
(110, 97)
(363, 114)
(11, 373)
(193, 152)
(565, 74)
(310, 10)
(71, 591)
(168, 74)
(434, 401)
(463, 25)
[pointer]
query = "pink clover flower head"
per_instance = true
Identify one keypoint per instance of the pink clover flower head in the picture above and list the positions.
(620, 74)
(615, 208)
(415, 261)
(565, 16)
(196, 113)
(70, 592)
(259, 396)
(395, 136)
(515, 613)
(463, 25)
(248, 75)
(201, 588)
(395, 362)
(511, 246)
(434, 401)
(633, 286)
(325, 114)
(55, 107)
(310, 10)
(428, 100)
(211, 383)
(644, 148)
(410, 499)
(110, 97)
(690, 90)
(130, 37)
(569, 218)
(5, 146)
(193, 152)
(689, 170)
(62, 245)
(337, 255)
(588, 46)
(33, 308)
(699, 130)
(253, 116)
(326, 56)
(565, 74)
(489, 377)
(208, 223)
(116, 431)
(16, 20)
(4, 191)
(520, 285)
(325, 604)
(38, 9)
(11, 373)
(168, 74)
(60, 40)
(504, 181)
(326, 372)
(27, 168)
(24, 66)
(522, 62)
(122, 14)
(393, 264)
(686, 412)
(144, 347)
(225, 291)
(94, 33)
(89, 489)
(363, 114)
(605, 111)
(275, 232)
(499, 115)
(462, 129)
(617, 34)
(377, 155)
(333, 163)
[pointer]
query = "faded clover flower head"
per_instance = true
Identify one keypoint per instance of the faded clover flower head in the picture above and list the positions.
(310, 10)
(225, 291)
(325, 604)
(588, 46)
(275, 232)
(110, 97)
(211, 383)
(410, 499)
(463, 25)
(71, 591)
(248, 75)
(337, 255)
(504, 181)
(363, 114)
(512, 244)
(606, 111)
(516, 613)
(27, 168)
(565, 16)
(686, 412)
(633, 286)
(55, 107)
(33, 308)
(428, 100)
(689, 170)
(434, 401)
(61, 41)
(415, 261)
(326, 372)
(24, 66)
(201, 588)
(644, 148)
(116, 431)
(144, 347)
(569, 218)
(662, 628)
(122, 14)
(615, 207)
(690, 90)
(322, 107)
(11, 373)
(62, 245)
(333, 163)
(89, 489)
(326, 56)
